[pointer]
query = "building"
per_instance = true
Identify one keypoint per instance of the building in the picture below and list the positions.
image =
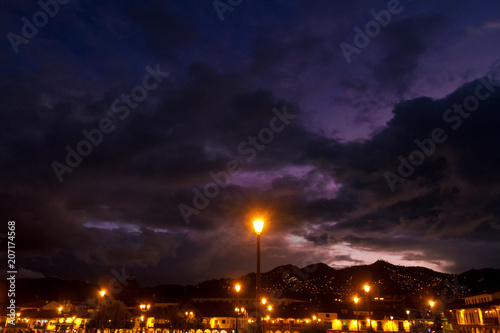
(479, 314)
(48, 316)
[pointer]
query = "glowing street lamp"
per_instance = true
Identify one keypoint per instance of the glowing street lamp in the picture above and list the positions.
(356, 300)
(237, 288)
(258, 226)
(408, 314)
(144, 308)
(367, 290)
(102, 293)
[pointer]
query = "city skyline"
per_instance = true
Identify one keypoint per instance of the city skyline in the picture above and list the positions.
(147, 137)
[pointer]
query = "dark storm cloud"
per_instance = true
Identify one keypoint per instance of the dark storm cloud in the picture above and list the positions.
(323, 194)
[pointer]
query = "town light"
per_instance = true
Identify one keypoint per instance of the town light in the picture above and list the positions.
(258, 226)
(367, 290)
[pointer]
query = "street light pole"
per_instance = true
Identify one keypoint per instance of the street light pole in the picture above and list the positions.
(258, 225)
(392, 323)
(356, 300)
(102, 293)
(408, 314)
(367, 290)
(144, 308)
(237, 287)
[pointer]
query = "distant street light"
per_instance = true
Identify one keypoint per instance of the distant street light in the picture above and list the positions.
(356, 300)
(144, 308)
(237, 288)
(258, 226)
(102, 293)
(367, 290)
(408, 314)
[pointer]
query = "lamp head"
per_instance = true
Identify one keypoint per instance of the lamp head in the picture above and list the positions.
(258, 225)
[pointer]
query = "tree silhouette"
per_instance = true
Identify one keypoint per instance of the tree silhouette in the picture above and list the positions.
(112, 315)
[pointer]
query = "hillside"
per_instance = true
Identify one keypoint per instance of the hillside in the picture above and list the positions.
(317, 283)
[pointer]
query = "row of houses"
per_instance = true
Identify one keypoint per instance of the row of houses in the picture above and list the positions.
(478, 314)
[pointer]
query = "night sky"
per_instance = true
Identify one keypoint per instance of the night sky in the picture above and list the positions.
(145, 136)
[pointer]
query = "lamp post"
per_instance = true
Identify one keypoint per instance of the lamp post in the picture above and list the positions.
(356, 300)
(144, 308)
(258, 225)
(367, 290)
(238, 311)
(237, 288)
(59, 310)
(102, 293)
(408, 314)
(264, 301)
(392, 323)
(269, 308)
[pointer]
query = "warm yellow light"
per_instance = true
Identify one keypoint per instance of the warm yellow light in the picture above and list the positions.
(431, 303)
(267, 317)
(270, 307)
(18, 314)
(190, 313)
(78, 321)
(238, 288)
(59, 309)
(142, 318)
(367, 288)
(258, 225)
(319, 319)
(356, 299)
(264, 301)
(314, 317)
(102, 293)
